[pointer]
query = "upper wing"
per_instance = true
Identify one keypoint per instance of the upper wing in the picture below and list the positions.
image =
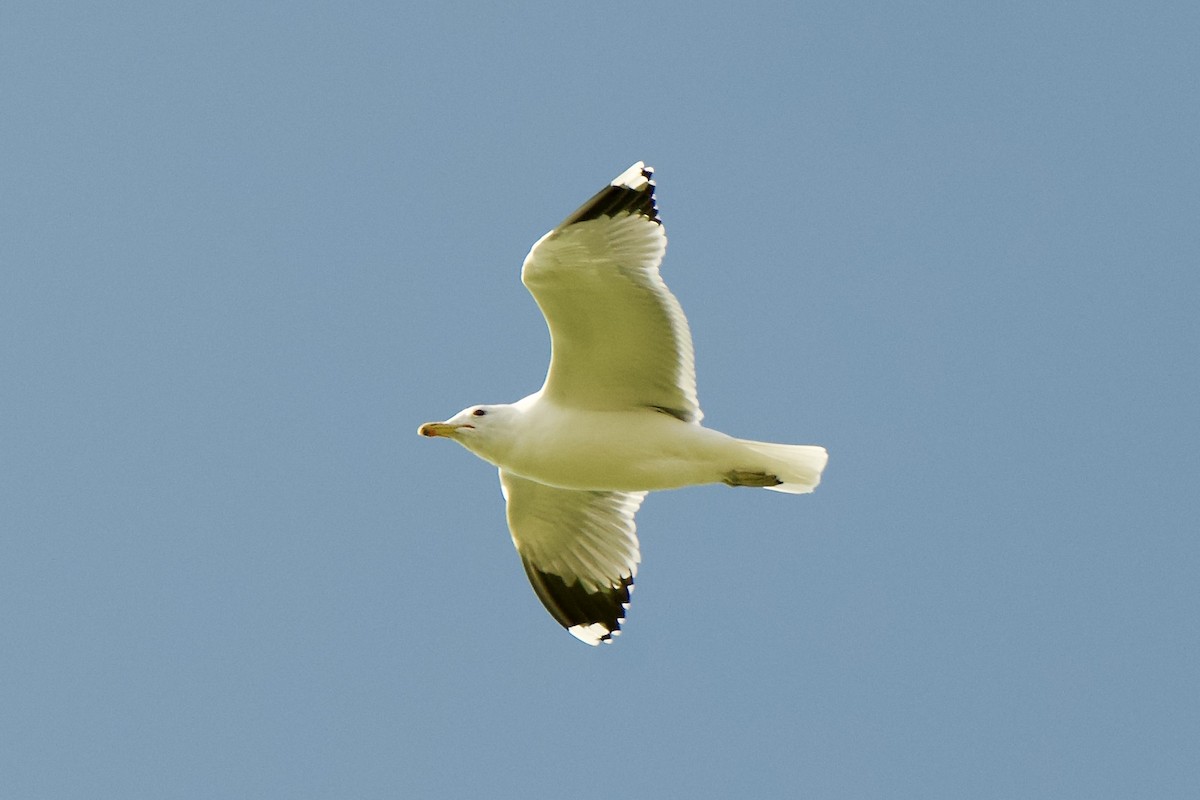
(580, 551)
(619, 339)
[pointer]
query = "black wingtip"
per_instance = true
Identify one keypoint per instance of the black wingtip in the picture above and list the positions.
(590, 616)
(630, 192)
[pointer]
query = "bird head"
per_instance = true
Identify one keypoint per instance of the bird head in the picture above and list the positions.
(484, 430)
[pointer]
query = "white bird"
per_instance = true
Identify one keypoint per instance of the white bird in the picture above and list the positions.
(617, 416)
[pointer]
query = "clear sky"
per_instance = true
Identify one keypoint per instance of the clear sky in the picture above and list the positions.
(246, 248)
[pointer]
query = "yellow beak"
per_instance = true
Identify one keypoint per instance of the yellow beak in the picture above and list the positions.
(439, 429)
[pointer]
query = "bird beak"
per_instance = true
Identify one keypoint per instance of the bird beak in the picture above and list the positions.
(439, 429)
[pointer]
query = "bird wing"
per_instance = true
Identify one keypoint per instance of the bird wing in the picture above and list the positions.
(619, 339)
(580, 551)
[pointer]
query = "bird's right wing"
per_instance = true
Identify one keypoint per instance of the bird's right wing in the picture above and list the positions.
(580, 551)
(618, 337)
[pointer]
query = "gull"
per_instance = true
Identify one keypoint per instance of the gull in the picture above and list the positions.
(616, 418)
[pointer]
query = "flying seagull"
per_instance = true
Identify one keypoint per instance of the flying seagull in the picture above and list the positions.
(617, 416)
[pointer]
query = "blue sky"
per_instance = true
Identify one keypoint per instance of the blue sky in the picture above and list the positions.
(246, 249)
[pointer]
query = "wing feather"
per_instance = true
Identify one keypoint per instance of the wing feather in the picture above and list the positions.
(579, 549)
(619, 338)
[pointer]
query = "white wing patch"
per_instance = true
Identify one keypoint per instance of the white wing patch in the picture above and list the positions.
(592, 634)
(636, 177)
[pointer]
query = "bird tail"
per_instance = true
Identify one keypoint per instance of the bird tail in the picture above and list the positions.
(797, 467)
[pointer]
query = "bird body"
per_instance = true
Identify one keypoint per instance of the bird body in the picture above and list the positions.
(640, 450)
(617, 416)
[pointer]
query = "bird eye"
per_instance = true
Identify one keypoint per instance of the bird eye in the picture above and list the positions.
(479, 412)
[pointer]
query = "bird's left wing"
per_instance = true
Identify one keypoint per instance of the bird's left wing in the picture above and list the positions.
(580, 551)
